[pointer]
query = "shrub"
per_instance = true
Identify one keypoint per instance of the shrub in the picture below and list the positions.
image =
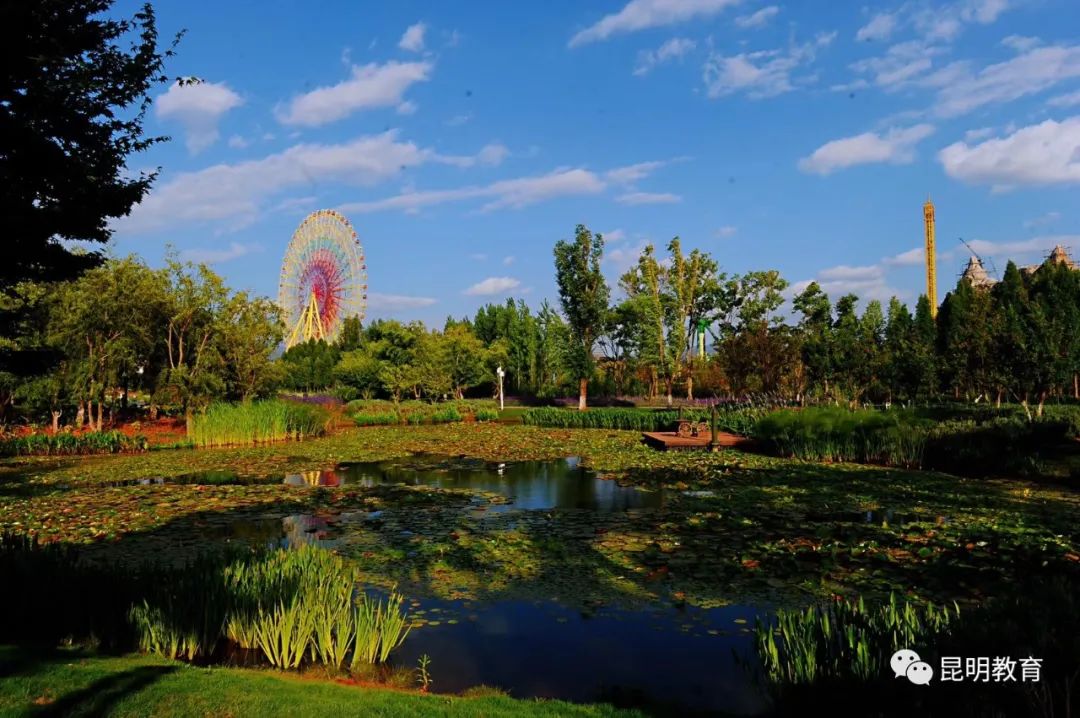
(486, 415)
(445, 415)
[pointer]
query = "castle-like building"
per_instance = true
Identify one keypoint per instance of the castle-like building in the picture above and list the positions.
(976, 273)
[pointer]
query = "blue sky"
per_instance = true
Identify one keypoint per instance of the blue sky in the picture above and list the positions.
(464, 139)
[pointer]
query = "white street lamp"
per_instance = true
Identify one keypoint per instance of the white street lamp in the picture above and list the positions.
(501, 374)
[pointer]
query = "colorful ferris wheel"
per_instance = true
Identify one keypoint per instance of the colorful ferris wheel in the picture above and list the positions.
(323, 278)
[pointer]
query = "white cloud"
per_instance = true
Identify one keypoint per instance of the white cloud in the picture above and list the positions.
(880, 27)
(622, 258)
(979, 133)
(238, 142)
(408, 107)
(1043, 220)
(848, 273)
(492, 154)
(675, 48)
(1043, 154)
(1069, 99)
(615, 235)
(642, 14)
(1021, 43)
(633, 173)
(413, 39)
(757, 19)
(478, 256)
(458, 120)
(513, 193)
(764, 73)
(492, 285)
(216, 256)
(238, 191)
(1040, 245)
(508, 260)
(946, 22)
(911, 258)
(1025, 74)
(896, 146)
(726, 232)
(635, 198)
(198, 108)
(370, 86)
(396, 302)
(901, 64)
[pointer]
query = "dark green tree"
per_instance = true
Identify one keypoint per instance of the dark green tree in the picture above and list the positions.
(73, 96)
(583, 293)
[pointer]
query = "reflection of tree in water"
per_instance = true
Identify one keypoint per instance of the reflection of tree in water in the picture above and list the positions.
(315, 478)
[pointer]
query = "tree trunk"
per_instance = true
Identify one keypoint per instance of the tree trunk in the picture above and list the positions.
(80, 416)
(582, 391)
(1076, 385)
(55, 421)
(690, 387)
(1042, 403)
(153, 412)
(100, 414)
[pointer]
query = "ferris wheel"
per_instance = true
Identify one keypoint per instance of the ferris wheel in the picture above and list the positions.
(323, 278)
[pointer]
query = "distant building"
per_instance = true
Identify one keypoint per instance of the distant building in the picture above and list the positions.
(976, 273)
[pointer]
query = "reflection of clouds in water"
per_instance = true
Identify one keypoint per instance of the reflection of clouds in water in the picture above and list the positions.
(301, 529)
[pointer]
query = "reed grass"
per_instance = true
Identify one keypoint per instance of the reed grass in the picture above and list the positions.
(64, 444)
(845, 640)
(257, 422)
(894, 438)
(738, 421)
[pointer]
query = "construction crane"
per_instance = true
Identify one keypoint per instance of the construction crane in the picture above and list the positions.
(993, 269)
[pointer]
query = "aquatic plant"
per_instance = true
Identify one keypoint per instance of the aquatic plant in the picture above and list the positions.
(423, 675)
(894, 438)
(257, 422)
(376, 419)
(62, 444)
(738, 420)
(445, 415)
(486, 415)
(845, 639)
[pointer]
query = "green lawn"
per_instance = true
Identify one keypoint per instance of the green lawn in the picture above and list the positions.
(70, 683)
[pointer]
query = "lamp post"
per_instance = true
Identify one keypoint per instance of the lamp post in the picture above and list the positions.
(501, 374)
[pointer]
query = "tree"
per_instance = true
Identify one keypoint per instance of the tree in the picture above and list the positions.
(553, 340)
(109, 321)
(816, 330)
(249, 332)
(309, 366)
(583, 294)
(73, 96)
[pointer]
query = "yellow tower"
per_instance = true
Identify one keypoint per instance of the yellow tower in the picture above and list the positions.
(308, 326)
(931, 256)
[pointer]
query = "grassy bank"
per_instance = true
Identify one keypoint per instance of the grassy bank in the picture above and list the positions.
(69, 444)
(69, 682)
(387, 413)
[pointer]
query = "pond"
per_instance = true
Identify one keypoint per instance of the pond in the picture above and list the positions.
(664, 658)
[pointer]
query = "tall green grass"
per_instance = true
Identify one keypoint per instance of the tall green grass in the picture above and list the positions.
(845, 640)
(377, 412)
(738, 421)
(257, 422)
(894, 438)
(96, 442)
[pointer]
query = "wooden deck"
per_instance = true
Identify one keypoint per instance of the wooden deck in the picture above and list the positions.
(670, 441)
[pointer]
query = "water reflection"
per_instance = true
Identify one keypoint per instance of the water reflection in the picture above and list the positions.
(531, 485)
(667, 661)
